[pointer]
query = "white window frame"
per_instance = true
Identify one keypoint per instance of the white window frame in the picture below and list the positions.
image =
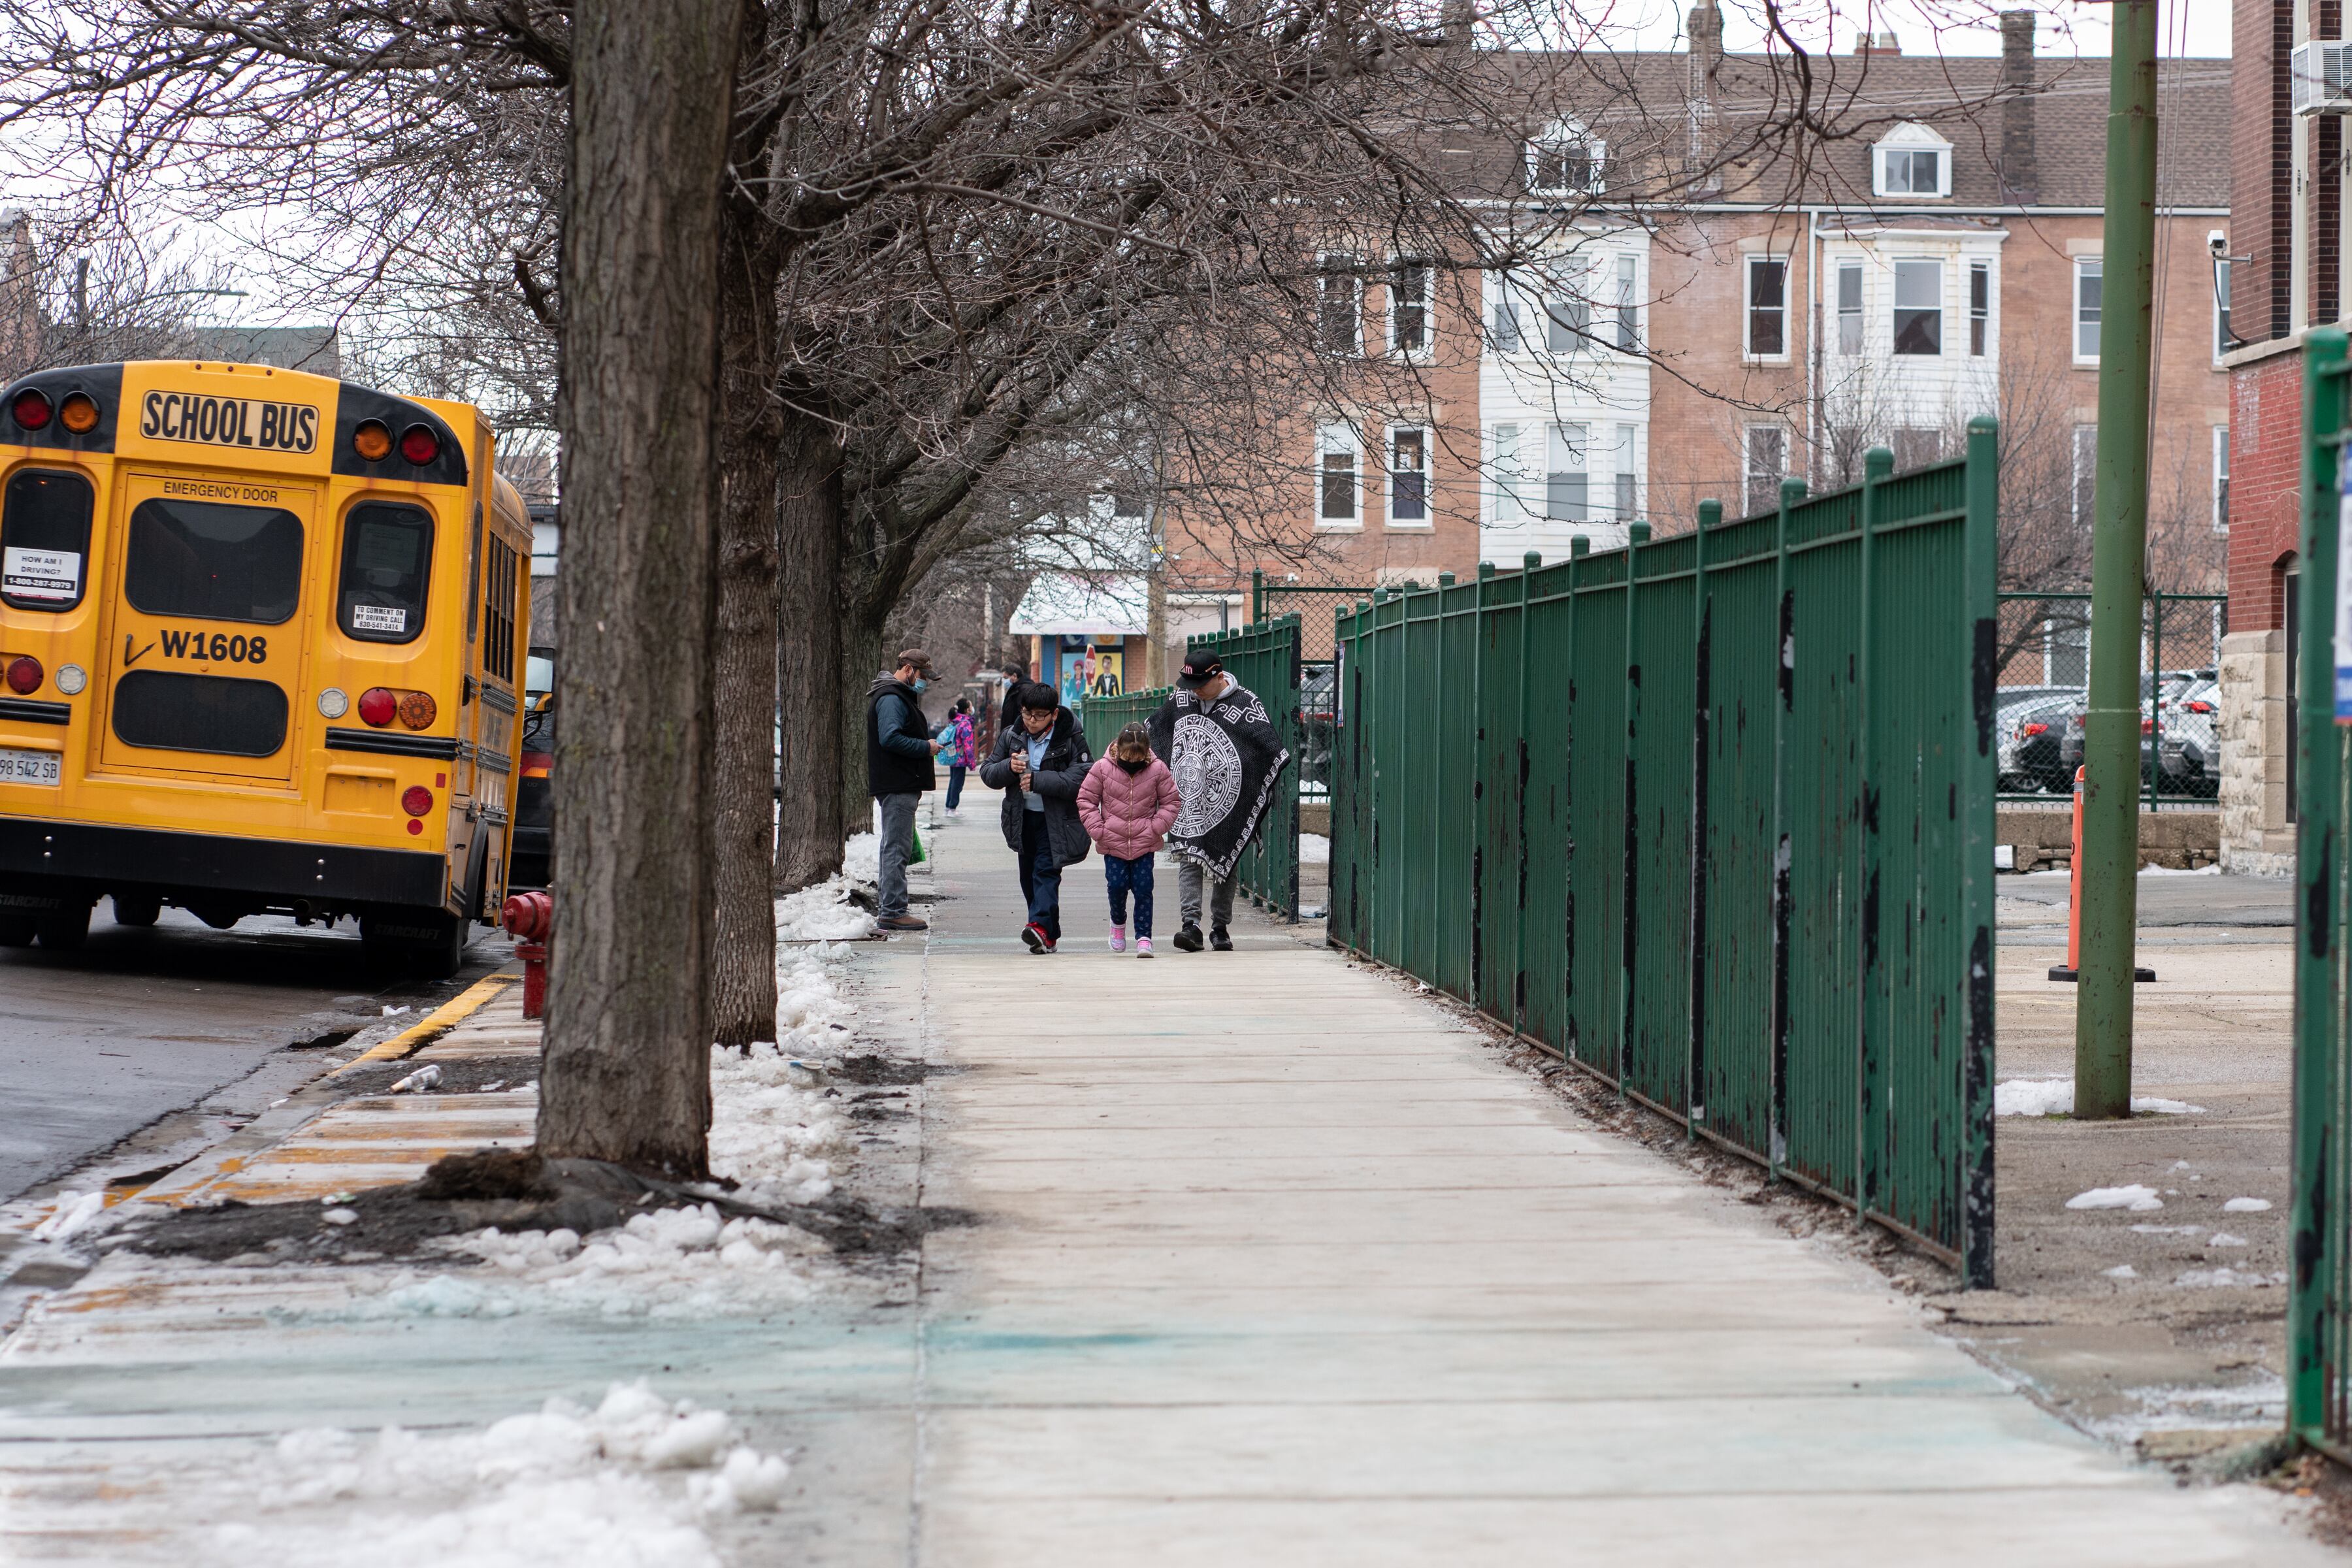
(1748, 266)
(1427, 520)
(1506, 323)
(1564, 133)
(1852, 266)
(1750, 473)
(1427, 305)
(1625, 498)
(2222, 334)
(2082, 496)
(2084, 266)
(1567, 289)
(1507, 494)
(1984, 328)
(1628, 307)
(1332, 440)
(1577, 447)
(1902, 142)
(1942, 307)
(1329, 274)
(2220, 483)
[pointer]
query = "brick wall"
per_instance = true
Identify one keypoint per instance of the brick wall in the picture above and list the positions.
(2265, 469)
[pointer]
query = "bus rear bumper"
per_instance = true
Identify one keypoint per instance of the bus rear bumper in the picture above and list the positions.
(106, 858)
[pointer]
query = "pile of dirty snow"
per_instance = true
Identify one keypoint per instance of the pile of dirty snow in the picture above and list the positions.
(1313, 850)
(2056, 1097)
(822, 913)
(861, 858)
(633, 1482)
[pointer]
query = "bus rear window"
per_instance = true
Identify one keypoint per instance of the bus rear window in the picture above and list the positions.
(387, 552)
(44, 539)
(165, 710)
(215, 563)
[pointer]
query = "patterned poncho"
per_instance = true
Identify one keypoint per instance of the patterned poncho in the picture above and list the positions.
(1227, 757)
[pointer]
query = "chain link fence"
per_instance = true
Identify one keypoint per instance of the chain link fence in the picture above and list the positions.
(2045, 671)
(1316, 605)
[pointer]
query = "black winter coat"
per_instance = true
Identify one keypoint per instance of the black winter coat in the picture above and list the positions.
(1055, 779)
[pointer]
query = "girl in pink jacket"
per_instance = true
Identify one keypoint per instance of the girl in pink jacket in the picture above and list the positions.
(1128, 803)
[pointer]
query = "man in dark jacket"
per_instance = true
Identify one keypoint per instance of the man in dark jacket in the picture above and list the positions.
(1039, 760)
(899, 768)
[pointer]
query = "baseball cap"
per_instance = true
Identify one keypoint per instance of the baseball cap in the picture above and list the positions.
(1196, 673)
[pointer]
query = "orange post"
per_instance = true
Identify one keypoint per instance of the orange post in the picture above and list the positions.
(2074, 964)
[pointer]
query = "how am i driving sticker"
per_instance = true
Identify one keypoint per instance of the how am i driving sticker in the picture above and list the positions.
(379, 618)
(50, 576)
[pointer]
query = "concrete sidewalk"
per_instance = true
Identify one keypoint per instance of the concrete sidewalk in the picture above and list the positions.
(1281, 1265)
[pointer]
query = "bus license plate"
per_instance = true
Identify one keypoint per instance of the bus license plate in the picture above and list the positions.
(30, 767)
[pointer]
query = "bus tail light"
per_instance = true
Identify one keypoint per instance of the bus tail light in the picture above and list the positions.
(416, 800)
(417, 709)
(24, 674)
(31, 409)
(377, 707)
(78, 413)
(371, 441)
(419, 445)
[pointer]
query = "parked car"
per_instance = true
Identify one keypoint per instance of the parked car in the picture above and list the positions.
(2027, 733)
(1318, 693)
(2188, 703)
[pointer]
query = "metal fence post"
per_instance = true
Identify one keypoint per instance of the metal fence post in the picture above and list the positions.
(1636, 535)
(1710, 515)
(1977, 827)
(1478, 786)
(2154, 700)
(1869, 1087)
(1528, 564)
(1258, 594)
(2315, 1225)
(1792, 491)
(1578, 549)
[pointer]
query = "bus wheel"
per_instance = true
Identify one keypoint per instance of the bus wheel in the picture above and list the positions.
(64, 929)
(426, 943)
(18, 931)
(132, 910)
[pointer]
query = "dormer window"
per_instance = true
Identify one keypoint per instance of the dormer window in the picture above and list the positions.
(1565, 160)
(1911, 161)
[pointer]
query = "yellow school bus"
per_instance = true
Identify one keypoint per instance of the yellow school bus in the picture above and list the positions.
(262, 646)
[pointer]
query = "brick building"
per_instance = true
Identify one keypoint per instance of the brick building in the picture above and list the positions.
(2286, 276)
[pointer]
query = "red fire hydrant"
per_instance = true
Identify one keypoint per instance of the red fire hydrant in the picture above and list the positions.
(530, 919)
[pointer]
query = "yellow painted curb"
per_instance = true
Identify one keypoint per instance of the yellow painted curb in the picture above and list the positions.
(469, 1000)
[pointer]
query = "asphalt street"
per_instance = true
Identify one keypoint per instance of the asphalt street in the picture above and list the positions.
(140, 1023)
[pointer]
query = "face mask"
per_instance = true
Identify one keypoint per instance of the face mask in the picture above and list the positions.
(921, 685)
(1135, 767)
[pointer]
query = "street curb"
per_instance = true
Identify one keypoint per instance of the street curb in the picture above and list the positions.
(439, 1021)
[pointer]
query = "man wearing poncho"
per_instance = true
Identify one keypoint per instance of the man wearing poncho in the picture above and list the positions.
(1227, 756)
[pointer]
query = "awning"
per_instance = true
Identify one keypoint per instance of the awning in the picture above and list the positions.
(1083, 604)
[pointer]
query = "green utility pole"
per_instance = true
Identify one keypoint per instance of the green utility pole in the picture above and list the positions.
(2109, 884)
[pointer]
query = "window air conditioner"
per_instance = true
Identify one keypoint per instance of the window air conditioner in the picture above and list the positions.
(2322, 74)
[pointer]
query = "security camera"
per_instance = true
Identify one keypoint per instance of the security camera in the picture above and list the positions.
(2217, 242)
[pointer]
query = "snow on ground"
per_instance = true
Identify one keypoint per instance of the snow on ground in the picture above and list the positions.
(2246, 1205)
(861, 857)
(2135, 1197)
(2056, 1097)
(1313, 850)
(630, 1484)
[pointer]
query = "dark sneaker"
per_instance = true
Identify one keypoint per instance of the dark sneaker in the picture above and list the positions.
(901, 923)
(1035, 935)
(1187, 938)
(1219, 940)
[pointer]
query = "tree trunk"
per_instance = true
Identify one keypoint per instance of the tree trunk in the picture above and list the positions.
(626, 1070)
(743, 952)
(863, 657)
(809, 680)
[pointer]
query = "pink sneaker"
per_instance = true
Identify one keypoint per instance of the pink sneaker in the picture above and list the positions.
(1118, 939)
(1143, 947)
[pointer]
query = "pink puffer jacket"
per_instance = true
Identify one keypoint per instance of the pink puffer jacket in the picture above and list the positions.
(1128, 814)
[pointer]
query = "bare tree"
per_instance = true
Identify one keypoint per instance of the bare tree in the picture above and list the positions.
(627, 1074)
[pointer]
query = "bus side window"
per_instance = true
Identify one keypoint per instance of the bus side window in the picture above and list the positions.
(44, 540)
(474, 576)
(388, 559)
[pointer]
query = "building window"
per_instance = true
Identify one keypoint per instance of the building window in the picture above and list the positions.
(1409, 307)
(1916, 448)
(1767, 307)
(1127, 503)
(1337, 449)
(1564, 162)
(1340, 306)
(1767, 462)
(1912, 162)
(1408, 476)
(1628, 497)
(1980, 307)
(1919, 307)
(1628, 305)
(1849, 307)
(2089, 282)
(2086, 474)
(2220, 478)
(1508, 506)
(2224, 340)
(1564, 494)
(1504, 335)
(1567, 317)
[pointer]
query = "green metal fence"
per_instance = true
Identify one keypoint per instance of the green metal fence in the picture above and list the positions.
(2319, 1279)
(1104, 717)
(1265, 658)
(1712, 816)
